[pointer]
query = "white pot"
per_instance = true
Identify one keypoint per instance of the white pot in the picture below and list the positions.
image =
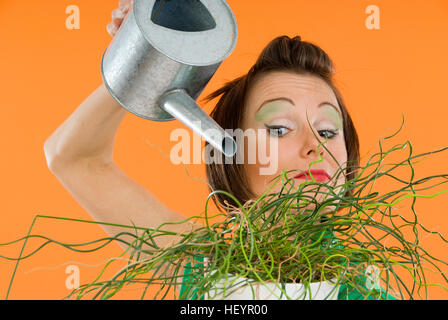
(241, 289)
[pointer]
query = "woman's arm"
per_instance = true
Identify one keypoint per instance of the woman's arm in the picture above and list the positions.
(89, 132)
(80, 154)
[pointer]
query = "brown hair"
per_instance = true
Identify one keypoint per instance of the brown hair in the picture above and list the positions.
(281, 54)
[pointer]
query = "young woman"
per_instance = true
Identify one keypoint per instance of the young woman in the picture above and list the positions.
(290, 83)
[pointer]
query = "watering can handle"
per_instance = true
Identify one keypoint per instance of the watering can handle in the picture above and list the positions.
(183, 107)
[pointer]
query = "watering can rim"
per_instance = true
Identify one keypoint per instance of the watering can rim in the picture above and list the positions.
(204, 41)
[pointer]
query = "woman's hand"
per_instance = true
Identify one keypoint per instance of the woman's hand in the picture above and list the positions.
(118, 15)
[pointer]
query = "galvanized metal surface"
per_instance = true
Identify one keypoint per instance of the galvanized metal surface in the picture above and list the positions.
(155, 52)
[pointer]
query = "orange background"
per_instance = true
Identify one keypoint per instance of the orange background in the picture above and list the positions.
(48, 70)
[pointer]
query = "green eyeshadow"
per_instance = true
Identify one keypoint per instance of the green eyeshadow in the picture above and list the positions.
(334, 116)
(269, 109)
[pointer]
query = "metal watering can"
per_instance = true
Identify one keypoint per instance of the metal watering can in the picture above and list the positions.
(163, 56)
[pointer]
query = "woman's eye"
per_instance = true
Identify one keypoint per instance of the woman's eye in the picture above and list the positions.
(277, 131)
(328, 133)
(280, 131)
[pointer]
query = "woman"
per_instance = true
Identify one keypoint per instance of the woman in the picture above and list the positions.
(290, 84)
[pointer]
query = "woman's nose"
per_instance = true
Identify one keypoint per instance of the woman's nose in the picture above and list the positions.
(310, 145)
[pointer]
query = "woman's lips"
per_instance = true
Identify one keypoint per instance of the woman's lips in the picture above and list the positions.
(319, 175)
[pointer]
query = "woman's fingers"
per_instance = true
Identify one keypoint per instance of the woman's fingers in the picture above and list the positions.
(117, 19)
(112, 29)
(125, 5)
(118, 16)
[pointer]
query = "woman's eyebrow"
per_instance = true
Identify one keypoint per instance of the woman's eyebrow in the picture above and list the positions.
(292, 102)
(275, 99)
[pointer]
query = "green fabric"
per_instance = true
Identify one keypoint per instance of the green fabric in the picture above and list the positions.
(346, 292)
(188, 278)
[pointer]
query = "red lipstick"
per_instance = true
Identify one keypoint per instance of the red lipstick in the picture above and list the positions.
(319, 175)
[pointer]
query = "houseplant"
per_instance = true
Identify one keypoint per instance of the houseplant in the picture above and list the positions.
(276, 239)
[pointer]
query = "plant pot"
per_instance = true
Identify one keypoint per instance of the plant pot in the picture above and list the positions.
(243, 289)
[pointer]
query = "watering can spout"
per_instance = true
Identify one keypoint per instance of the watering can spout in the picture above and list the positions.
(182, 106)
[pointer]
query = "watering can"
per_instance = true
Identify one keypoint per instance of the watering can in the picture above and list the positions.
(163, 56)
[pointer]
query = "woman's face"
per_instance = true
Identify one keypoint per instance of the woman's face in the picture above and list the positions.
(284, 100)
